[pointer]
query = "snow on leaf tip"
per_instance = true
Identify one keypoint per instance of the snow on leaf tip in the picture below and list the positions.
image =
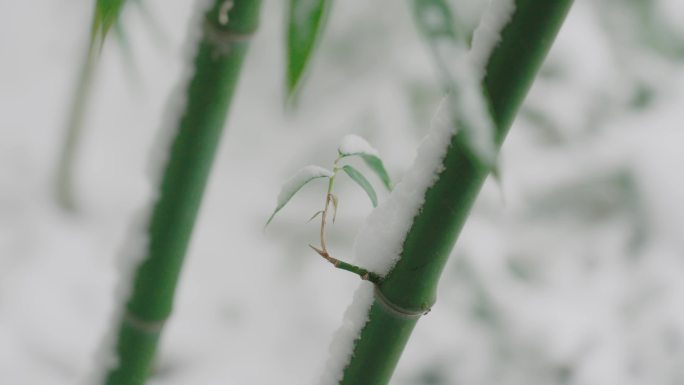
(363, 182)
(354, 145)
(295, 183)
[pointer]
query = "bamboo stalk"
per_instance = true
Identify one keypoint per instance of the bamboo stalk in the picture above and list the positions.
(227, 27)
(408, 291)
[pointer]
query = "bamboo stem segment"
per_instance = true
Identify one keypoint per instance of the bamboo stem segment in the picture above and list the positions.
(217, 67)
(412, 284)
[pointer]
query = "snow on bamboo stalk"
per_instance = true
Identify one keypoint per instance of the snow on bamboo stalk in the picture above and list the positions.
(218, 43)
(407, 240)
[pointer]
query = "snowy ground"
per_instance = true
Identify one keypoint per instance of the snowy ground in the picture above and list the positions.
(571, 276)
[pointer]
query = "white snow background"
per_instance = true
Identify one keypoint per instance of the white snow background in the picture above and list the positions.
(569, 273)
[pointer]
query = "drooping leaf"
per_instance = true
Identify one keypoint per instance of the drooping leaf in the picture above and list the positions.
(295, 183)
(375, 164)
(354, 145)
(306, 23)
(363, 182)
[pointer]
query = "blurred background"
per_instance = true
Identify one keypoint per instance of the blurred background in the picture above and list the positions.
(568, 272)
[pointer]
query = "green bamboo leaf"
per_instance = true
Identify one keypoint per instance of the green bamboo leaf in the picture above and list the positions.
(363, 182)
(354, 145)
(295, 183)
(306, 23)
(107, 13)
(375, 164)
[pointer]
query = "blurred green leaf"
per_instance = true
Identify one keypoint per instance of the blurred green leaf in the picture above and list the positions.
(106, 15)
(305, 25)
(375, 164)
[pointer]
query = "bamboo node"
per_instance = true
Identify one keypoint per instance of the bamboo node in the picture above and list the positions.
(397, 309)
(222, 39)
(149, 327)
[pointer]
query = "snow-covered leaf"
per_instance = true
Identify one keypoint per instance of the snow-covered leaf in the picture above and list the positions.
(295, 183)
(305, 25)
(363, 182)
(354, 145)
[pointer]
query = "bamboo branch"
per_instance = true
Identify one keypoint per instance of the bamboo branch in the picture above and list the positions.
(412, 284)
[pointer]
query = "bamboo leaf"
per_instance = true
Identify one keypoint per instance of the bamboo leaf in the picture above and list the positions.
(107, 13)
(295, 183)
(306, 22)
(375, 164)
(354, 145)
(363, 182)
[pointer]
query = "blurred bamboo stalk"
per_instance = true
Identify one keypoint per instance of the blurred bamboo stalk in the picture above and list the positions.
(226, 30)
(409, 289)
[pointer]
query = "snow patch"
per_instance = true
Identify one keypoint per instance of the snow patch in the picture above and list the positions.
(488, 33)
(132, 254)
(343, 342)
(380, 242)
(356, 145)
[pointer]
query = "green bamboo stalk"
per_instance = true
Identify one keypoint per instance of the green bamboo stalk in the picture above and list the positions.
(408, 291)
(227, 28)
